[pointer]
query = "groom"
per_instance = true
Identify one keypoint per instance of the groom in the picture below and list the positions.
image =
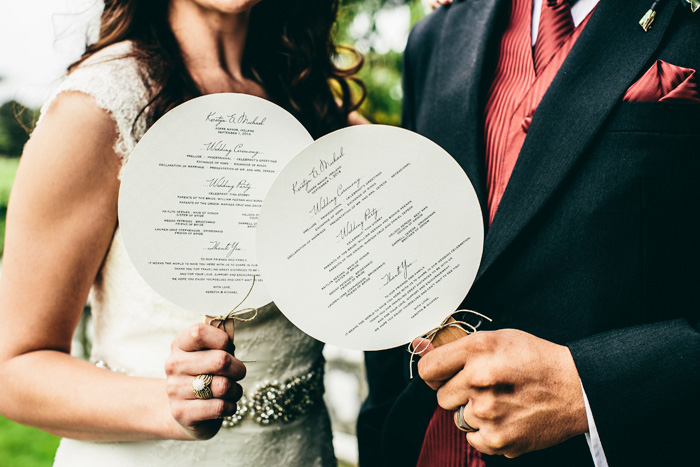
(583, 143)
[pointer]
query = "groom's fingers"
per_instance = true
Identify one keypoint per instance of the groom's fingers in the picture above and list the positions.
(421, 346)
(445, 361)
(442, 363)
(455, 392)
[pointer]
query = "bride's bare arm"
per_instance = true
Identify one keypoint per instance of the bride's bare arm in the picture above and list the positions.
(61, 219)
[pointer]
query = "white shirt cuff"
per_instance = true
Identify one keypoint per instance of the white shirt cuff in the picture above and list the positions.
(592, 436)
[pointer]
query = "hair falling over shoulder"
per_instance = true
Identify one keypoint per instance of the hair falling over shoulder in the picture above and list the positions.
(290, 51)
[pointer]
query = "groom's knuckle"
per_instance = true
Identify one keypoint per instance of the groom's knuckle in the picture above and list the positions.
(483, 378)
(486, 448)
(483, 447)
(423, 368)
(479, 342)
(446, 400)
(498, 442)
(513, 453)
(482, 410)
(495, 442)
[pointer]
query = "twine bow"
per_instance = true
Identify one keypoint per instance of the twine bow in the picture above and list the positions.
(448, 322)
(235, 314)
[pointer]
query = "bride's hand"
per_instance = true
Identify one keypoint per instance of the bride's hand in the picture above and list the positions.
(202, 350)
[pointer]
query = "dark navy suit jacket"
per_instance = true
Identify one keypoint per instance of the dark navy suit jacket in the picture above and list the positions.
(596, 242)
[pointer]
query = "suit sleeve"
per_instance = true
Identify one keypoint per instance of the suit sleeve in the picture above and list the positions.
(643, 385)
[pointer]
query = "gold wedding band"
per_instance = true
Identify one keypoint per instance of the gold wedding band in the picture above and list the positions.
(461, 424)
(201, 386)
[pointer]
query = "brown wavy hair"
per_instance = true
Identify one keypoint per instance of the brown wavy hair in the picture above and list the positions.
(290, 51)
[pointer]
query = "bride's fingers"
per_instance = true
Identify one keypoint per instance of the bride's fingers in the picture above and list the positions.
(202, 336)
(180, 387)
(224, 388)
(204, 362)
(191, 412)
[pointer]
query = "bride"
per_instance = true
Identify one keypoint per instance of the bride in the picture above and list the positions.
(135, 403)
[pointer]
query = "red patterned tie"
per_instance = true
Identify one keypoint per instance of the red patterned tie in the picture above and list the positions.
(556, 24)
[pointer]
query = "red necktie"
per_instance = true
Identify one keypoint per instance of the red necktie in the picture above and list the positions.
(556, 24)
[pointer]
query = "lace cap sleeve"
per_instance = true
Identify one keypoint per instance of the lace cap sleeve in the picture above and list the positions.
(118, 85)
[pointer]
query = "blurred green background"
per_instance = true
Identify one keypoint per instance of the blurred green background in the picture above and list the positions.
(376, 28)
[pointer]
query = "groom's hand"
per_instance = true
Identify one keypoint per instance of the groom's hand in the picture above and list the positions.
(522, 393)
(203, 350)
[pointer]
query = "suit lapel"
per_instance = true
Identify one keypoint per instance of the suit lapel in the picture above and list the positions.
(466, 37)
(611, 51)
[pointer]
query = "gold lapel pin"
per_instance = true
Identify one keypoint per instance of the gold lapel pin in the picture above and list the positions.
(649, 16)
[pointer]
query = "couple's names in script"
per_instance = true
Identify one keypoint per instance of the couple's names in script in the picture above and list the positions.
(221, 119)
(307, 184)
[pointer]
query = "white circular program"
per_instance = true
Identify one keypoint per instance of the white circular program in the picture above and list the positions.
(191, 194)
(370, 237)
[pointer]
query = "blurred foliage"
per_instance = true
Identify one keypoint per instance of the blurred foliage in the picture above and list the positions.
(24, 446)
(16, 122)
(8, 167)
(378, 29)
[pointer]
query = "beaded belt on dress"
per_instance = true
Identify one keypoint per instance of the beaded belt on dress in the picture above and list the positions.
(280, 402)
(273, 401)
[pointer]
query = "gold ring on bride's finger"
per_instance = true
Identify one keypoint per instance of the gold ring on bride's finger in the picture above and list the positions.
(201, 386)
(461, 424)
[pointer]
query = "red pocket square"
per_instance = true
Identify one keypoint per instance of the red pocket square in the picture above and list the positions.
(665, 82)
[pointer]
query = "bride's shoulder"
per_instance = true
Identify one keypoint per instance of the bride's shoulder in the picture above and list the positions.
(114, 66)
(119, 54)
(112, 75)
(116, 83)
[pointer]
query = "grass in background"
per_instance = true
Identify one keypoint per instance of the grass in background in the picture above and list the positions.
(20, 445)
(8, 167)
(23, 446)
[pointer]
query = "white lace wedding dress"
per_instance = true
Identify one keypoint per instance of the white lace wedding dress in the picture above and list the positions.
(134, 328)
